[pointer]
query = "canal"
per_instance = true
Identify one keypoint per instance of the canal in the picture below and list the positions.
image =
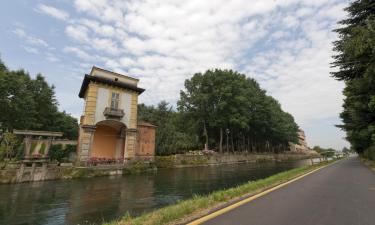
(95, 200)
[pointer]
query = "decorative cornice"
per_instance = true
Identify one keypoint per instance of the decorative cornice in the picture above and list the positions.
(88, 78)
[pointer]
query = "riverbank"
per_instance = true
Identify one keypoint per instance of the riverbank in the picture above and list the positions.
(53, 172)
(178, 161)
(199, 206)
(16, 174)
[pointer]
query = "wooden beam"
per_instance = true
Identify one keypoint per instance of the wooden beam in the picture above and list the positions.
(38, 133)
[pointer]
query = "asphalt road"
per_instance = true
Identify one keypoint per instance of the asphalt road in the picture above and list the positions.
(340, 194)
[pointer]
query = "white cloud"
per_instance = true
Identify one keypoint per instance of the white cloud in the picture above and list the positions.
(284, 44)
(174, 39)
(79, 53)
(31, 50)
(102, 30)
(105, 45)
(29, 38)
(82, 34)
(52, 58)
(52, 11)
(78, 33)
(296, 71)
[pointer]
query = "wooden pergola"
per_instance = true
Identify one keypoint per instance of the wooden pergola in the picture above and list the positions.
(37, 143)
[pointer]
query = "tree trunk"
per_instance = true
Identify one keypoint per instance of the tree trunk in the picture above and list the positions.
(243, 143)
(227, 140)
(221, 140)
(232, 142)
(206, 136)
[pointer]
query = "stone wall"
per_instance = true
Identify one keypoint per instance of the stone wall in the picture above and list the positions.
(15, 174)
(54, 172)
(217, 159)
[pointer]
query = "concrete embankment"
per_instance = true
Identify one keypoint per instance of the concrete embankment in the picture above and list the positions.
(219, 159)
(31, 174)
(15, 173)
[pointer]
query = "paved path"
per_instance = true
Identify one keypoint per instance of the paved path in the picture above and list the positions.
(340, 194)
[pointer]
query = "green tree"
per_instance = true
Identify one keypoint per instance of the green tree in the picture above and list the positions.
(355, 63)
(17, 103)
(224, 100)
(346, 151)
(174, 134)
(195, 102)
(28, 103)
(61, 153)
(64, 122)
(8, 145)
(216, 99)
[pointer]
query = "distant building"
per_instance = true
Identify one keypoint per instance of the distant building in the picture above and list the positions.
(301, 146)
(302, 139)
(109, 127)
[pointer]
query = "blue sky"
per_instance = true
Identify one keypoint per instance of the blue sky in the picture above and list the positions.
(286, 45)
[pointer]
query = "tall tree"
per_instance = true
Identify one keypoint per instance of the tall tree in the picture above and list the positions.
(355, 61)
(174, 134)
(18, 108)
(224, 100)
(28, 103)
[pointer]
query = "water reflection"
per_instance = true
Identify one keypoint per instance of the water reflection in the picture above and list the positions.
(95, 200)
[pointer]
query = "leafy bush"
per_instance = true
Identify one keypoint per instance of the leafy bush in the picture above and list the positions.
(59, 153)
(8, 146)
(20, 152)
(370, 153)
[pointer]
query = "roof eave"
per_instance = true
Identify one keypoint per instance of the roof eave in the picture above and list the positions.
(88, 78)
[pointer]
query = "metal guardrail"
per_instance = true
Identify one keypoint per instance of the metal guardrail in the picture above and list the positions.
(324, 159)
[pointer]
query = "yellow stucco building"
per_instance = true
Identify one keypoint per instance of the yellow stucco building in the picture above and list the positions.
(109, 126)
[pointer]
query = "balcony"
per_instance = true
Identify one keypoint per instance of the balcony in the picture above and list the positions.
(111, 113)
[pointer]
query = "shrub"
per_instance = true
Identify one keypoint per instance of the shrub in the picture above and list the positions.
(370, 153)
(59, 153)
(8, 146)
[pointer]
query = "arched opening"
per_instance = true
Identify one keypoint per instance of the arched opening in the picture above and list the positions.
(109, 140)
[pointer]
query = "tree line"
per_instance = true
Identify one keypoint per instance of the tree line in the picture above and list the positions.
(30, 104)
(221, 110)
(355, 63)
(330, 152)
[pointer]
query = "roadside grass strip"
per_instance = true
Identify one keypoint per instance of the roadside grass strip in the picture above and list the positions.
(201, 208)
(369, 163)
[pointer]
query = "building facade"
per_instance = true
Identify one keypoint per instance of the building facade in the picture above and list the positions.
(109, 125)
(302, 145)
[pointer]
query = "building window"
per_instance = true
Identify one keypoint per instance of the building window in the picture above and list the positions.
(115, 100)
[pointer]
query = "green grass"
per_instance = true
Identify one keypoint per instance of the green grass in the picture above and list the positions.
(199, 205)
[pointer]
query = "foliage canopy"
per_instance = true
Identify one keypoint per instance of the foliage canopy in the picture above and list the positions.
(28, 103)
(355, 61)
(222, 110)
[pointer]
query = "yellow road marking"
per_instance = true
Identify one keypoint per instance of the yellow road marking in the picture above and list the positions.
(251, 198)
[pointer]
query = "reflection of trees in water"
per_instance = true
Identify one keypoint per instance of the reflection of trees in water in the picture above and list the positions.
(176, 184)
(108, 198)
(30, 203)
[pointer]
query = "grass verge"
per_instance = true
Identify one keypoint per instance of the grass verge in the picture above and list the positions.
(368, 163)
(198, 206)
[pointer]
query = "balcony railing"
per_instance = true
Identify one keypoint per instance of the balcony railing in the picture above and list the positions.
(111, 113)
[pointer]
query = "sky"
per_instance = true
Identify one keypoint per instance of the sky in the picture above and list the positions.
(286, 45)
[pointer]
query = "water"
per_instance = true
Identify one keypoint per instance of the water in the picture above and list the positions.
(94, 200)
